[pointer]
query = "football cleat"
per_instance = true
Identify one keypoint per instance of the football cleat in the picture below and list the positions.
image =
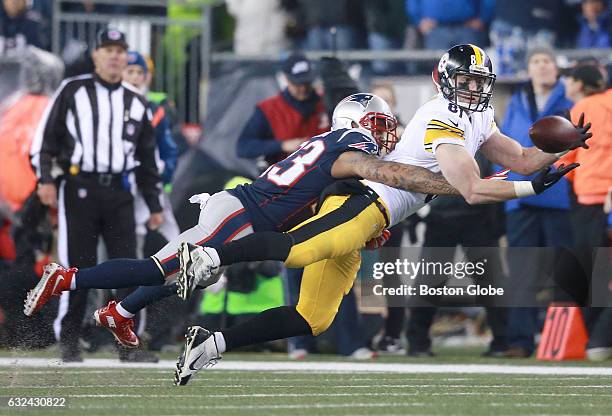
(200, 351)
(53, 282)
(197, 268)
(121, 327)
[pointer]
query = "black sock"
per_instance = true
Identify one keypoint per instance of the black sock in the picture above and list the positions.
(395, 321)
(267, 245)
(269, 325)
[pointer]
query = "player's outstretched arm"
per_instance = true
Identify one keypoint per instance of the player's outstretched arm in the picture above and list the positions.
(461, 171)
(397, 175)
(507, 152)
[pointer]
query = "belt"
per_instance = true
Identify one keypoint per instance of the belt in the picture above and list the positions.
(104, 179)
(354, 187)
(373, 196)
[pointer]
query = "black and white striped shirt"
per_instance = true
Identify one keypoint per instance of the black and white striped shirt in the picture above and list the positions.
(93, 126)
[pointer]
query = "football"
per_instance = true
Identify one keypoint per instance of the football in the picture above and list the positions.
(553, 134)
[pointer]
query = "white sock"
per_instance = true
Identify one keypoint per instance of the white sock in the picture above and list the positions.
(220, 341)
(73, 282)
(123, 312)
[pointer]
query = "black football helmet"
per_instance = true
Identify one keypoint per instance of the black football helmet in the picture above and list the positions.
(465, 77)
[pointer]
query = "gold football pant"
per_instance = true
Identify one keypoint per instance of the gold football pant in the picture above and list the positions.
(328, 247)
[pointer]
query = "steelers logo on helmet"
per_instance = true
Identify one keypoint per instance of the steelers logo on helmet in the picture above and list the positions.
(466, 77)
(369, 113)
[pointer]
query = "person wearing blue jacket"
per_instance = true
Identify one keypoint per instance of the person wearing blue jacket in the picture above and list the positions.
(166, 153)
(538, 221)
(594, 25)
(445, 23)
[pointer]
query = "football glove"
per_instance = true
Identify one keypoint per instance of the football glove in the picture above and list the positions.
(547, 178)
(583, 132)
(378, 242)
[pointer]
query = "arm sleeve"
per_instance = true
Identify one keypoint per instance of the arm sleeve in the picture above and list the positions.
(147, 176)
(47, 139)
(257, 138)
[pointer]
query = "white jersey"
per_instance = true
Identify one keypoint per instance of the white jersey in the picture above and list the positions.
(436, 122)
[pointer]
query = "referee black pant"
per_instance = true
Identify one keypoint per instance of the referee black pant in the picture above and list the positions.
(90, 206)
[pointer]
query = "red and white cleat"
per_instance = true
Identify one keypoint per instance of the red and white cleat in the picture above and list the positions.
(54, 281)
(121, 327)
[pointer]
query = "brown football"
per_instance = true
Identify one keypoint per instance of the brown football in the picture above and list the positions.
(553, 134)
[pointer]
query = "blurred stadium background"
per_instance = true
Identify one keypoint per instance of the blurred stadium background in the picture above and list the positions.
(214, 61)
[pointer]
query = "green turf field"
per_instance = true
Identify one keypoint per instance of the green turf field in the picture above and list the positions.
(137, 391)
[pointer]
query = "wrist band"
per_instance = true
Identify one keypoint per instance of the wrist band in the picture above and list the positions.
(523, 189)
(560, 154)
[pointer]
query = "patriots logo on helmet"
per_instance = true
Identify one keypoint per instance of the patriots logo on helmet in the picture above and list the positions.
(362, 99)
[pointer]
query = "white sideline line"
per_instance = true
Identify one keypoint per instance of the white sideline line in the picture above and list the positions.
(166, 380)
(358, 394)
(342, 367)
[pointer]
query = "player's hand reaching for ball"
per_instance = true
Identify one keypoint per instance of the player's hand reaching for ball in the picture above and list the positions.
(583, 133)
(155, 220)
(547, 178)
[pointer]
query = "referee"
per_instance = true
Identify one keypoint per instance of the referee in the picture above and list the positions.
(95, 132)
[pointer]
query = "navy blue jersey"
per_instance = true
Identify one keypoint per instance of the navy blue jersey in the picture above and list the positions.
(283, 195)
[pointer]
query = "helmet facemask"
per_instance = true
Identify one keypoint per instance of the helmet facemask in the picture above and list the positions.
(383, 128)
(471, 90)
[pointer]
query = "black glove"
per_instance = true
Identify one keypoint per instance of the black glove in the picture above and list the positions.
(583, 132)
(545, 178)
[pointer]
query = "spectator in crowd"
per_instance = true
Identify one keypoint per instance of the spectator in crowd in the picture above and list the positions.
(343, 15)
(594, 25)
(19, 26)
(446, 23)
(135, 74)
(260, 26)
(386, 24)
(45, 9)
(94, 194)
(583, 81)
(535, 221)
(591, 186)
(281, 123)
(41, 74)
(535, 21)
(520, 25)
(150, 241)
(477, 228)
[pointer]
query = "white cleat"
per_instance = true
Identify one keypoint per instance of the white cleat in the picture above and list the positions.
(200, 352)
(197, 268)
